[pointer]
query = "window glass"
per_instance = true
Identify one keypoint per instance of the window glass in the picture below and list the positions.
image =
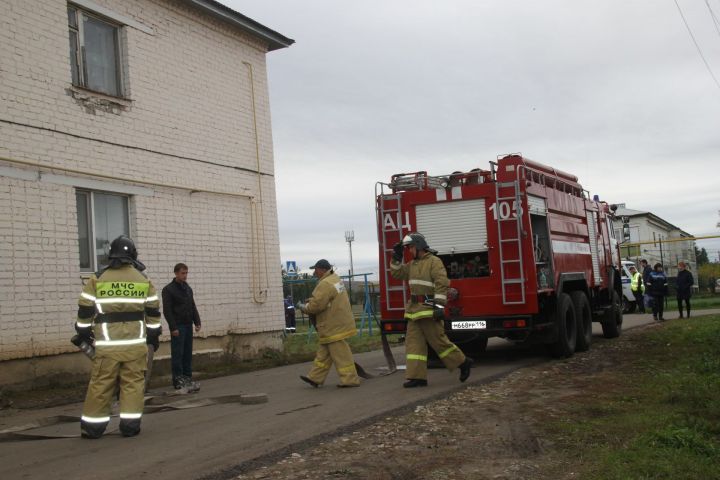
(110, 214)
(72, 17)
(74, 65)
(82, 200)
(94, 52)
(101, 218)
(100, 42)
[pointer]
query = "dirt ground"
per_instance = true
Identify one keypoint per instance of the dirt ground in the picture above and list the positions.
(490, 431)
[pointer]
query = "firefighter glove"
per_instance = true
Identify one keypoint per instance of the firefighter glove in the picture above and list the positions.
(85, 333)
(301, 306)
(154, 340)
(398, 252)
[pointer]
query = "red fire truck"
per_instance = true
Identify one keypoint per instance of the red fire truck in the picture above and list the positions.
(530, 256)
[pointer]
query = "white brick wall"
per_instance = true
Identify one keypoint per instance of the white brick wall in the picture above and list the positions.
(187, 122)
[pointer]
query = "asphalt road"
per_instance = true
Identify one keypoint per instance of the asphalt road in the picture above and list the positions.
(216, 441)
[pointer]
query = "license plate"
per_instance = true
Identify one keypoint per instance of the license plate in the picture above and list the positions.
(474, 325)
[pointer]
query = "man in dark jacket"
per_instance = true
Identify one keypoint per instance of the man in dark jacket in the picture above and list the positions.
(657, 289)
(181, 314)
(646, 270)
(684, 284)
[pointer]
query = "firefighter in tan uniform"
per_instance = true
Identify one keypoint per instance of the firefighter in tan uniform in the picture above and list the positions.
(119, 311)
(428, 282)
(334, 322)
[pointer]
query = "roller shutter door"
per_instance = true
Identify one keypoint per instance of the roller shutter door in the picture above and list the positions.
(454, 227)
(537, 205)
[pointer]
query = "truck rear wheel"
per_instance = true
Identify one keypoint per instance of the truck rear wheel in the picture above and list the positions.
(583, 315)
(612, 323)
(565, 326)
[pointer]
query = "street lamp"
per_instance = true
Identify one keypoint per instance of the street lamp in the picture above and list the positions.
(349, 238)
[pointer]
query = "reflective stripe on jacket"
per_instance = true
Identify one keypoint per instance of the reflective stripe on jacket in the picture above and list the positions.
(120, 306)
(635, 281)
(331, 306)
(425, 276)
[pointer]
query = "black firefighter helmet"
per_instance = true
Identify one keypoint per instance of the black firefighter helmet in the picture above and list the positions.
(123, 247)
(416, 240)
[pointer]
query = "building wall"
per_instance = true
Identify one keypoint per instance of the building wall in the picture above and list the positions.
(672, 252)
(186, 127)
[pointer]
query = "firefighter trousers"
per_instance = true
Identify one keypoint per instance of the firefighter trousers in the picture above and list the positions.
(337, 353)
(106, 373)
(420, 333)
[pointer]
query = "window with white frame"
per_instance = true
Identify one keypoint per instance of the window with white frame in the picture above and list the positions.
(101, 217)
(94, 52)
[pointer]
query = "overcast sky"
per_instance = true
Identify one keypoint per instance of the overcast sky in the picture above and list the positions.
(613, 91)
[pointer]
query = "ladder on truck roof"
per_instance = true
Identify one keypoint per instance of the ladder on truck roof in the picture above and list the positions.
(509, 227)
(390, 205)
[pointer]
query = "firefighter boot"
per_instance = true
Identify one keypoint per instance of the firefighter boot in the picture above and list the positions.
(129, 427)
(415, 382)
(92, 429)
(310, 382)
(465, 369)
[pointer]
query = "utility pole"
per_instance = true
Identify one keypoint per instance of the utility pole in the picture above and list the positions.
(349, 238)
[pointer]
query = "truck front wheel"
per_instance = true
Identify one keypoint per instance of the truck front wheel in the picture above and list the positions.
(565, 326)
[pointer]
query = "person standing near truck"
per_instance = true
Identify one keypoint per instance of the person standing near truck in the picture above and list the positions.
(335, 323)
(428, 281)
(684, 285)
(638, 288)
(118, 312)
(657, 288)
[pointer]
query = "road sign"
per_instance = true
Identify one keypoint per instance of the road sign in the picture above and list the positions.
(291, 268)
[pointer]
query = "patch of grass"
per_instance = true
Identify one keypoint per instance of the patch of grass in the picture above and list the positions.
(702, 301)
(660, 417)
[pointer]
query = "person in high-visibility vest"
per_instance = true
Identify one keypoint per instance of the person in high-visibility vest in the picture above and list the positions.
(638, 288)
(334, 322)
(118, 311)
(428, 281)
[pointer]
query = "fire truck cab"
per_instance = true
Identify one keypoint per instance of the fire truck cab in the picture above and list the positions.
(529, 255)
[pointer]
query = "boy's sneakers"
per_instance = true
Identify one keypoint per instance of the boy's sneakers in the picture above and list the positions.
(183, 382)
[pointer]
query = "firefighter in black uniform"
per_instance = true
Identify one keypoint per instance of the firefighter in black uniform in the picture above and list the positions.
(119, 312)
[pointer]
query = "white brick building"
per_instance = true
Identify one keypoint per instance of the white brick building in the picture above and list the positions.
(655, 240)
(154, 122)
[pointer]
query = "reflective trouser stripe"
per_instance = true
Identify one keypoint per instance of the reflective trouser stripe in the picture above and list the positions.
(418, 315)
(448, 351)
(347, 368)
(85, 418)
(338, 336)
(133, 341)
(412, 356)
(320, 364)
(130, 415)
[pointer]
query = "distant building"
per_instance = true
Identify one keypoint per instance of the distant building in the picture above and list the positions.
(155, 122)
(663, 236)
